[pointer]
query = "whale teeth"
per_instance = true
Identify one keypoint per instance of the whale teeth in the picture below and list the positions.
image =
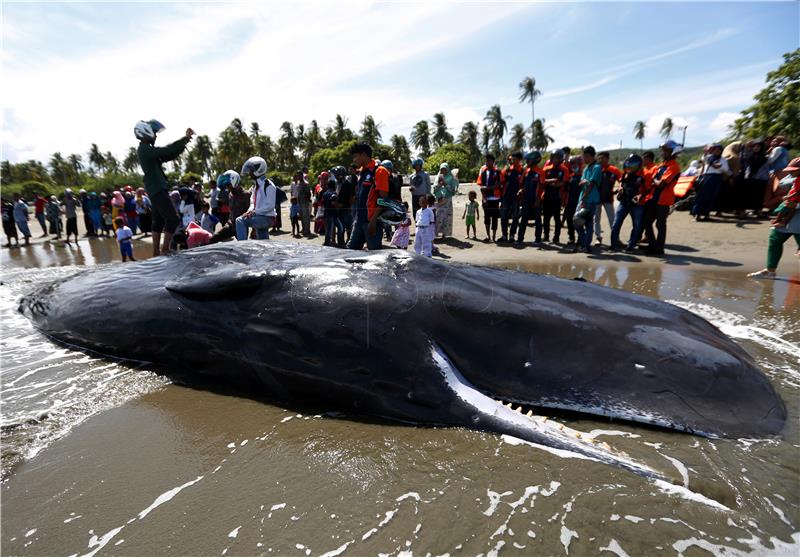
(519, 409)
(561, 427)
(509, 405)
(544, 419)
(578, 435)
(530, 413)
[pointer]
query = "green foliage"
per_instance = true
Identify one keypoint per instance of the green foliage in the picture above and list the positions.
(327, 158)
(457, 156)
(777, 107)
(190, 177)
(29, 189)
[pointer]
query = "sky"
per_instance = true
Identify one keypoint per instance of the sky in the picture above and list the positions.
(80, 73)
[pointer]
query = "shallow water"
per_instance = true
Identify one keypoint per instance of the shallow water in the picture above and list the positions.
(178, 470)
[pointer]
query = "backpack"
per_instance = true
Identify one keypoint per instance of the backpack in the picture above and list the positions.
(395, 187)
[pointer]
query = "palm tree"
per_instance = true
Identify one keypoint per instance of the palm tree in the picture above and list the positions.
(204, 151)
(287, 145)
(529, 92)
(401, 154)
(421, 138)
(543, 139)
(112, 164)
(58, 168)
(440, 135)
(131, 160)
(486, 136)
(469, 138)
(96, 158)
(7, 172)
(498, 126)
(340, 132)
(75, 166)
(667, 127)
(255, 131)
(639, 131)
(313, 141)
(517, 140)
(370, 131)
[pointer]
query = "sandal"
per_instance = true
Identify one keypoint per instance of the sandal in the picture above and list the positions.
(762, 274)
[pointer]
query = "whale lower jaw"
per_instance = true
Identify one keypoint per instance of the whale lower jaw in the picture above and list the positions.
(620, 412)
(487, 414)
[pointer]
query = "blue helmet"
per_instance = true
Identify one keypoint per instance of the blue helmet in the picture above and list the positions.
(417, 162)
(534, 156)
(633, 163)
(387, 164)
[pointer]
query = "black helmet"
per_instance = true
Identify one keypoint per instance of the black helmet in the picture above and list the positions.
(393, 212)
(633, 162)
(340, 172)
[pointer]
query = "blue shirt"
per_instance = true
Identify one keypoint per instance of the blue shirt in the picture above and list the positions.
(594, 175)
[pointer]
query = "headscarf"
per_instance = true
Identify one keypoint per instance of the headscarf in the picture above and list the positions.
(450, 182)
(118, 200)
(693, 170)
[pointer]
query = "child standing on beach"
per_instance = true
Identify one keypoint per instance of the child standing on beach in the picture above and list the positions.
(124, 236)
(107, 222)
(426, 227)
(471, 214)
(403, 233)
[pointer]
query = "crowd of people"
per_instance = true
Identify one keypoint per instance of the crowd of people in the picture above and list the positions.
(568, 195)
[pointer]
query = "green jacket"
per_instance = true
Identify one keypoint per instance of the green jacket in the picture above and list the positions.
(151, 158)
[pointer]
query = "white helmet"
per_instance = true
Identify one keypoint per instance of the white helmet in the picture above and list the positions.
(673, 146)
(228, 178)
(148, 129)
(256, 165)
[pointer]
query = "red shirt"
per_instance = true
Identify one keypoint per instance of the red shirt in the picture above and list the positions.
(39, 204)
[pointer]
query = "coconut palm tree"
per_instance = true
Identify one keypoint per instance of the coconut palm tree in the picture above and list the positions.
(131, 160)
(370, 131)
(440, 135)
(111, 163)
(543, 139)
(498, 126)
(96, 159)
(469, 138)
(204, 151)
(517, 140)
(255, 131)
(421, 138)
(667, 127)
(401, 154)
(340, 132)
(313, 142)
(486, 137)
(58, 168)
(75, 162)
(287, 145)
(639, 131)
(529, 92)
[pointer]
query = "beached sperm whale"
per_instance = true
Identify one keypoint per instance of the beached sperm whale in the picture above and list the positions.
(417, 340)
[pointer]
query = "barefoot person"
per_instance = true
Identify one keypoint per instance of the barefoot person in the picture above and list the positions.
(785, 224)
(165, 218)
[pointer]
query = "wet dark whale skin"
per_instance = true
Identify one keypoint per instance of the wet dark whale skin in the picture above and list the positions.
(356, 331)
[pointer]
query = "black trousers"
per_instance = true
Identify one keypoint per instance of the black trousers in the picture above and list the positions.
(552, 210)
(569, 212)
(491, 214)
(528, 212)
(656, 215)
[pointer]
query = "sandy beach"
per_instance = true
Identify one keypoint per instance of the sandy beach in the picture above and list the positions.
(153, 467)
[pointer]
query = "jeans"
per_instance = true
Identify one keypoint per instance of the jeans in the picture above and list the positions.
(636, 212)
(260, 223)
(526, 213)
(333, 224)
(360, 235)
(305, 219)
(40, 218)
(346, 218)
(94, 214)
(598, 217)
(509, 211)
(585, 231)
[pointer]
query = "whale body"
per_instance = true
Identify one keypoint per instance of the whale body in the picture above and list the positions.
(417, 340)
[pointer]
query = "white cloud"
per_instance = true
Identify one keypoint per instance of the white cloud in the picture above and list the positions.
(576, 128)
(276, 63)
(722, 122)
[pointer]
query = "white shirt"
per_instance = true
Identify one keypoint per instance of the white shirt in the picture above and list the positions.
(262, 200)
(187, 212)
(124, 234)
(295, 191)
(213, 198)
(723, 169)
(424, 217)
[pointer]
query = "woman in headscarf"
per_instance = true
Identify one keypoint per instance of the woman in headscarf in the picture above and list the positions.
(756, 174)
(444, 190)
(117, 207)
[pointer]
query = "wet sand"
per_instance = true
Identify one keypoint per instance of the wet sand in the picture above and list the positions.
(190, 471)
